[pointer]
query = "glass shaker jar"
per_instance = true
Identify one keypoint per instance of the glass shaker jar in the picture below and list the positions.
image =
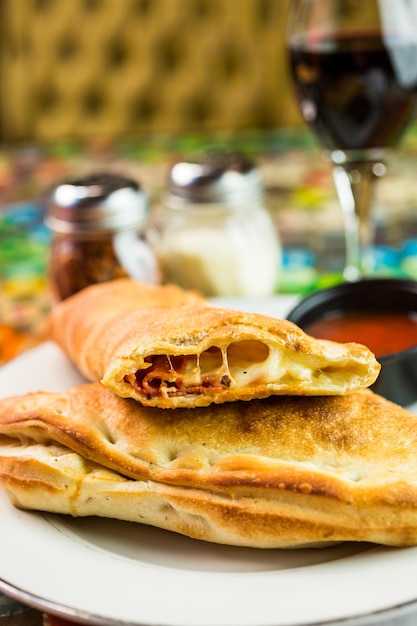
(98, 226)
(217, 236)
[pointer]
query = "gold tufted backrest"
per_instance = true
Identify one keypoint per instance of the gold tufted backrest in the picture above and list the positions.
(87, 68)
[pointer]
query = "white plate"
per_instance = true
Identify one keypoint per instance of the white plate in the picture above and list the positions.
(105, 571)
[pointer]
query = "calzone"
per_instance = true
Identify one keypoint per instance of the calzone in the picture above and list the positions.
(273, 473)
(179, 351)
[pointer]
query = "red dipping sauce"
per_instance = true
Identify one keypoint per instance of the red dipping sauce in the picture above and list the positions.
(383, 332)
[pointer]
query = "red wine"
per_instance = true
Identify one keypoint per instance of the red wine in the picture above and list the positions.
(356, 92)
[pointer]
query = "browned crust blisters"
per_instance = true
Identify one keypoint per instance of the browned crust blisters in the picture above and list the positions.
(279, 472)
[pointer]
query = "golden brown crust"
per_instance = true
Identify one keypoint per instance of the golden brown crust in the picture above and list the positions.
(119, 344)
(80, 323)
(279, 472)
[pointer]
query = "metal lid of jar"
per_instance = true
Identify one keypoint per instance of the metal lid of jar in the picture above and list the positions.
(96, 203)
(213, 178)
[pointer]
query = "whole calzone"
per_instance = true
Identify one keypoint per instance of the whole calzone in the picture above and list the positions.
(274, 473)
(169, 348)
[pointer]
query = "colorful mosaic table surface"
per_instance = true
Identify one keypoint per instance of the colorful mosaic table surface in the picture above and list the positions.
(299, 192)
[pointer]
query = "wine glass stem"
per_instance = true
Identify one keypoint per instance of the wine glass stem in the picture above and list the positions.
(355, 184)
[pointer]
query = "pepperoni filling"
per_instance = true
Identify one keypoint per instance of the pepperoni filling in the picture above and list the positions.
(176, 375)
(215, 369)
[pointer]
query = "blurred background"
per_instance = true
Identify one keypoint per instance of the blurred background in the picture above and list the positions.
(121, 85)
(129, 86)
(80, 69)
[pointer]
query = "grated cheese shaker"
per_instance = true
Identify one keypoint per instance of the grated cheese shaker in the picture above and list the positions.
(217, 236)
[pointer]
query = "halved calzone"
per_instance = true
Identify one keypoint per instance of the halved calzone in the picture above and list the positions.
(189, 354)
(279, 472)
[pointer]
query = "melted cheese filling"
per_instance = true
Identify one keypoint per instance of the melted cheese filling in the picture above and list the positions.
(241, 363)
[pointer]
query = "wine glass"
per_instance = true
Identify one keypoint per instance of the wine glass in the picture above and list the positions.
(354, 69)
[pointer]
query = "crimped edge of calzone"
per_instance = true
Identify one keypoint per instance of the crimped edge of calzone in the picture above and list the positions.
(56, 480)
(281, 472)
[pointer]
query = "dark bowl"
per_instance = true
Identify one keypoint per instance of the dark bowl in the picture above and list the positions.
(397, 380)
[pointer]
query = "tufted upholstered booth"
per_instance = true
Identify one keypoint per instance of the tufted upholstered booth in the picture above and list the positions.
(87, 68)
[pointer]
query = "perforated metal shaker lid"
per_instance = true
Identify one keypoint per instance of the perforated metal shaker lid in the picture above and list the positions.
(213, 178)
(96, 203)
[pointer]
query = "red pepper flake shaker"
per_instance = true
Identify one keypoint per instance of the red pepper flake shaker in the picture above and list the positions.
(99, 233)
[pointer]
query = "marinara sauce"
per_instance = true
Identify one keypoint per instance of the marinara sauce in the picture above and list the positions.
(383, 332)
